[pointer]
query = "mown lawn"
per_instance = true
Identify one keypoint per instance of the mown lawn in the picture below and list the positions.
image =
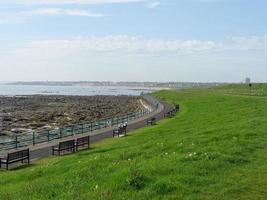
(215, 148)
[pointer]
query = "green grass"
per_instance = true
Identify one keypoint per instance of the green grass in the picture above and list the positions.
(215, 148)
(257, 89)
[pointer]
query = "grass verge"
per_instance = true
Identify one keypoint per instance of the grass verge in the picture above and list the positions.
(215, 148)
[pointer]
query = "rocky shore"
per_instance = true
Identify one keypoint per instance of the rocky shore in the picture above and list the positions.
(26, 113)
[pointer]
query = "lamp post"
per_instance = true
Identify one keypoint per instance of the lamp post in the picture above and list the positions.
(250, 86)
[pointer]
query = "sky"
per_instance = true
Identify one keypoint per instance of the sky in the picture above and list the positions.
(133, 40)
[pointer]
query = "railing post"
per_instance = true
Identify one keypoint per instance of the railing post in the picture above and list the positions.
(91, 127)
(86, 127)
(106, 123)
(16, 142)
(72, 130)
(60, 133)
(33, 138)
(82, 129)
(48, 135)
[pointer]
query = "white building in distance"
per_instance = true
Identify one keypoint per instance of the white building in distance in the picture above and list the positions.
(247, 80)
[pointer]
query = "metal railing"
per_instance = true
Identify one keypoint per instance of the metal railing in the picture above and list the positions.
(45, 136)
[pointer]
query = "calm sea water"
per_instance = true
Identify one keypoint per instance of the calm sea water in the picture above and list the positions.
(12, 90)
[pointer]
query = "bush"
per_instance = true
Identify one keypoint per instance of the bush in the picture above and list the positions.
(136, 180)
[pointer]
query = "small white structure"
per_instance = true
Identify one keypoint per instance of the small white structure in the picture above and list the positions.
(247, 80)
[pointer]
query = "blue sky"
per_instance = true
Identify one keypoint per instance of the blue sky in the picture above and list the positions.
(133, 40)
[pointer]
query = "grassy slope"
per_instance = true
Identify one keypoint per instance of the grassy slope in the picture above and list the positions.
(258, 89)
(216, 148)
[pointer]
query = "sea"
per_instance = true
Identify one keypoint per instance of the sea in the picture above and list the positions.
(21, 90)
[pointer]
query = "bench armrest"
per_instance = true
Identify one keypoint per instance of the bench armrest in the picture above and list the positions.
(3, 160)
(55, 147)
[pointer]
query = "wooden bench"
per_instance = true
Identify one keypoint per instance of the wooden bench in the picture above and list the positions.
(64, 146)
(177, 108)
(167, 114)
(122, 130)
(18, 156)
(83, 141)
(170, 113)
(117, 132)
(151, 121)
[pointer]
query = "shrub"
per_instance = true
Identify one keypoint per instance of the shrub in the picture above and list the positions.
(136, 179)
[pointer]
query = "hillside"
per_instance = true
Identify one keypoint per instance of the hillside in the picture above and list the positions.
(215, 148)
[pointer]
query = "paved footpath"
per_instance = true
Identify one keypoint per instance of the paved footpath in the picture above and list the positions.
(44, 150)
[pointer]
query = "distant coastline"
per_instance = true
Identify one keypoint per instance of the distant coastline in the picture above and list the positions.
(138, 85)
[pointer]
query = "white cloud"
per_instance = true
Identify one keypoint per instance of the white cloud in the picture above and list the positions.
(83, 13)
(208, 1)
(4, 20)
(24, 15)
(70, 1)
(153, 4)
(87, 2)
(140, 45)
(250, 43)
(137, 58)
(60, 11)
(43, 11)
(124, 44)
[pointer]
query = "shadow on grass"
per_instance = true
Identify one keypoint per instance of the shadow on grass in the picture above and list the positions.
(95, 150)
(80, 153)
(17, 167)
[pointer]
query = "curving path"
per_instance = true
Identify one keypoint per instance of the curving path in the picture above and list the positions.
(42, 151)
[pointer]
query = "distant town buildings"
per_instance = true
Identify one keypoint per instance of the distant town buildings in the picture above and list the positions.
(151, 85)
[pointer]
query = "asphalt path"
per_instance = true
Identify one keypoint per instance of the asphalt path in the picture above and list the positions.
(45, 150)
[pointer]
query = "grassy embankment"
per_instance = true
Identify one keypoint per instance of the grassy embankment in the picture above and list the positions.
(216, 148)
